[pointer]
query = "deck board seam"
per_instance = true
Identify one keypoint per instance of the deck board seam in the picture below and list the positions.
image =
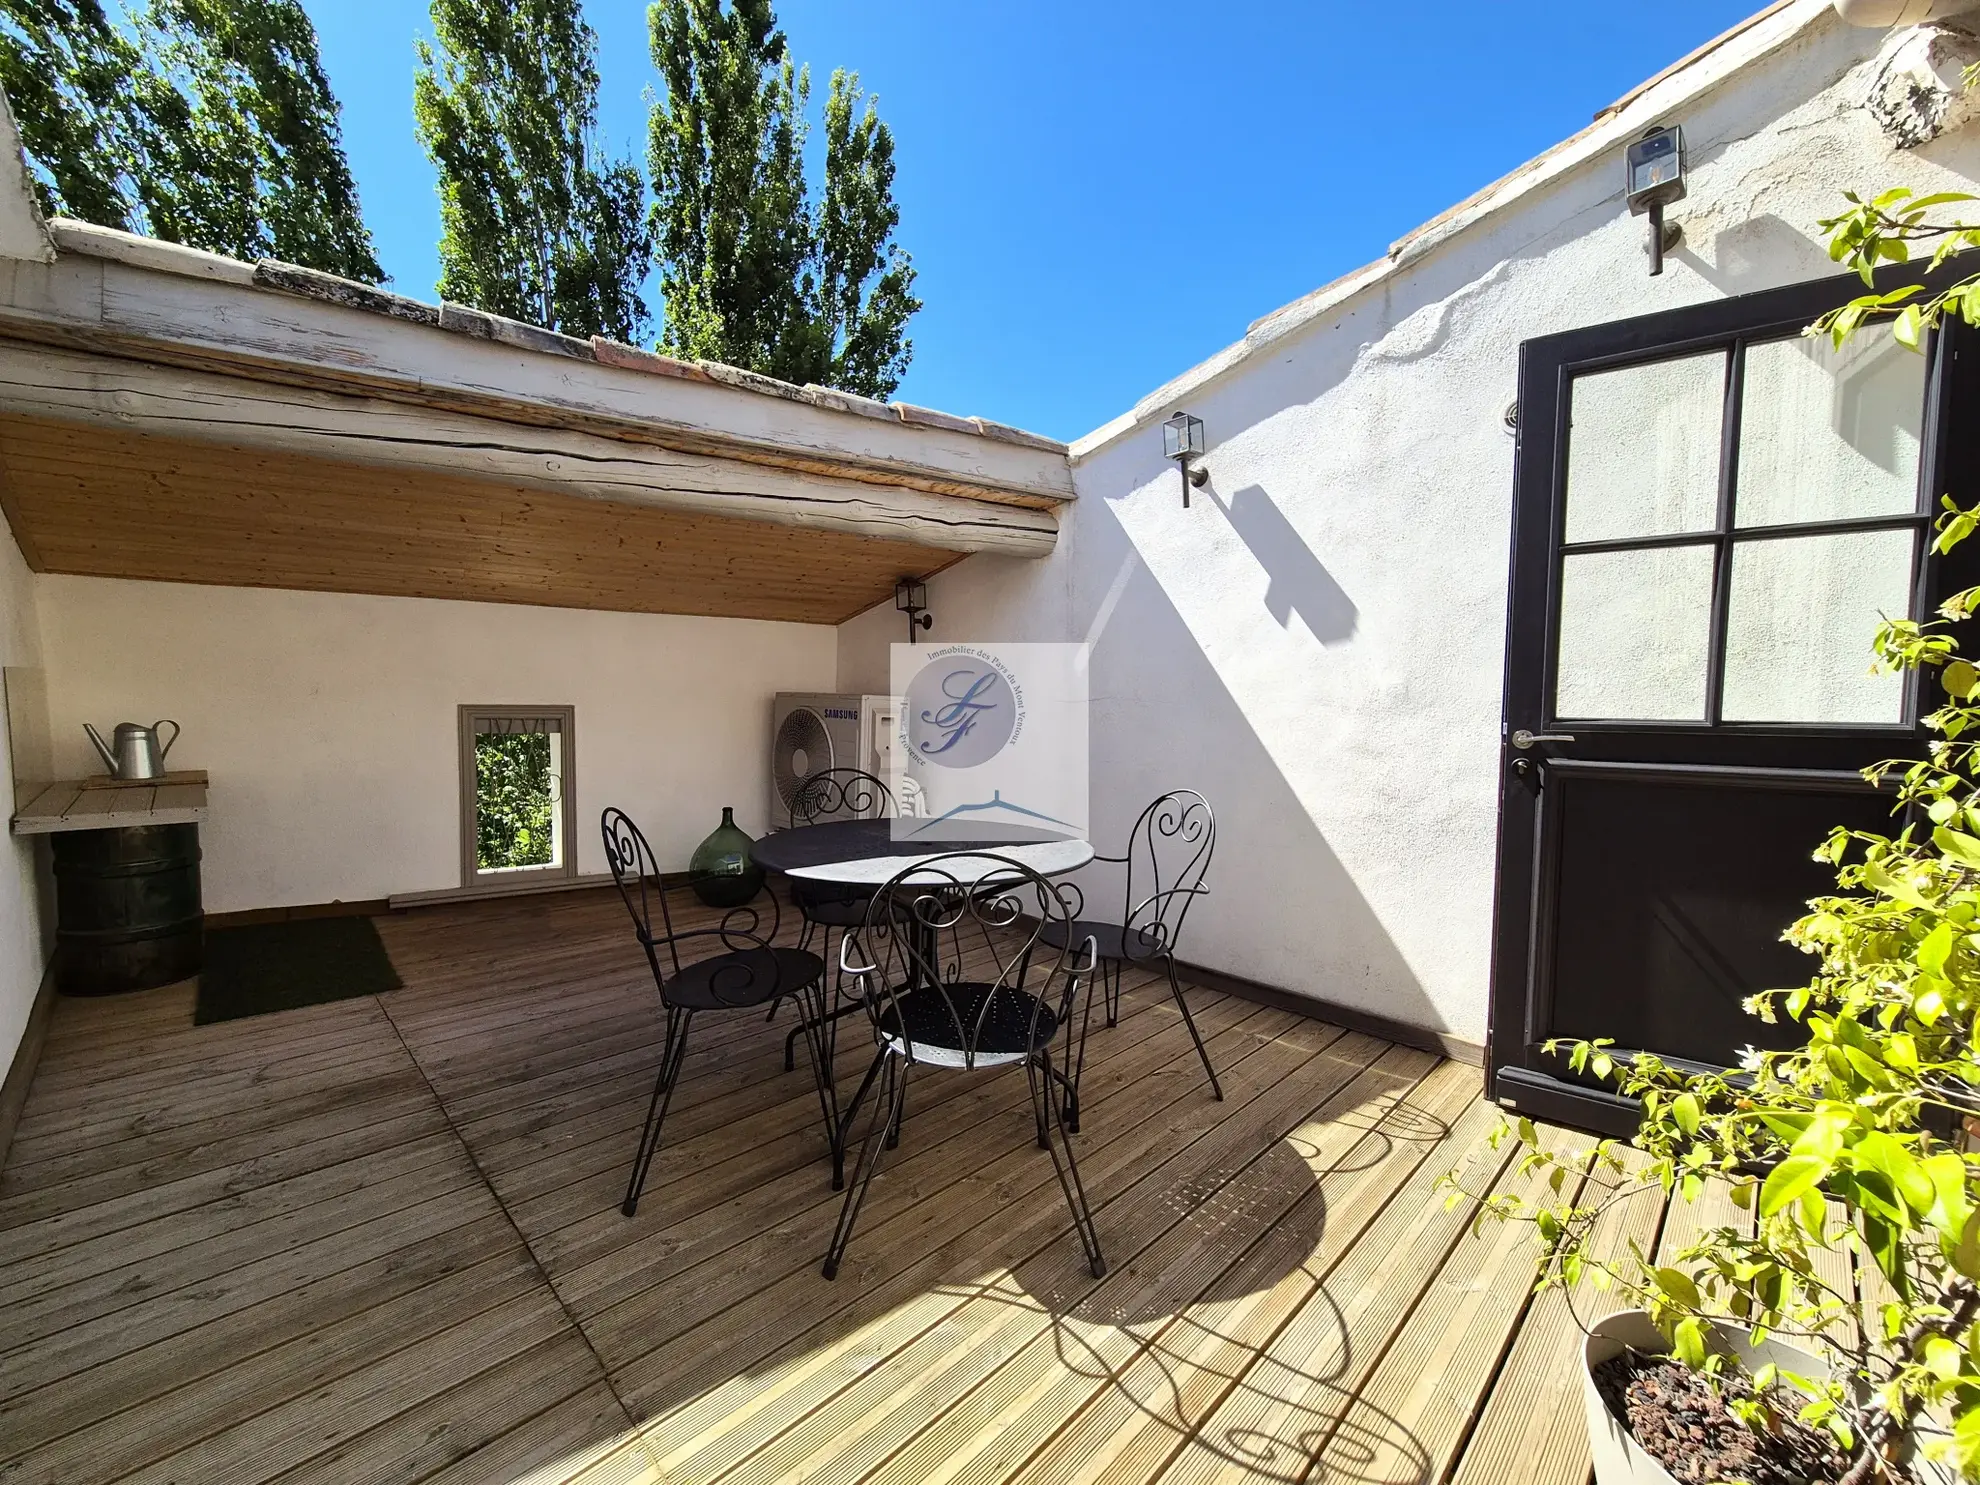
(1461, 1445)
(536, 1262)
(1316, 1461)
(53, 1190)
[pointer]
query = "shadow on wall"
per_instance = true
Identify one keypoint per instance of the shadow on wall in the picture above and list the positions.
(1282, 909)
(1298, 583)
(1758, 252)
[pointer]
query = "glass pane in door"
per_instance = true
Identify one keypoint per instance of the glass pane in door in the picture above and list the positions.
(1798, 628)
(1643, 449)
(1825, 435)
(1635, 632)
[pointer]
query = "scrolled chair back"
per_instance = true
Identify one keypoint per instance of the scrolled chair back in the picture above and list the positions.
(833, 792)
(1168, 856)
(645, 894)
(953, 962)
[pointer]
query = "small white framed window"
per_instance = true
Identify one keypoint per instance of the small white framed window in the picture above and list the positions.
(518, 794)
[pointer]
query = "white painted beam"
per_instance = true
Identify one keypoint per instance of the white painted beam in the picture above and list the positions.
(22, 232)
(135, 297)
(78, 387)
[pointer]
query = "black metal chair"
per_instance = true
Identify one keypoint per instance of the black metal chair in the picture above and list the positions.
(1167, 857)
(827, 907)
(935, 923)
(751, 971)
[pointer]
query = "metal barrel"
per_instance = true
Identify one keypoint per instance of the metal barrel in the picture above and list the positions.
(127, 908)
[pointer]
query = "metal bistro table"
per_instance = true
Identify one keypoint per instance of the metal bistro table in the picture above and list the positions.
(863, 853)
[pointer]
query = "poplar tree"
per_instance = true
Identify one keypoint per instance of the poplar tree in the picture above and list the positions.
(206, 122)
(751, 273)
(536, 223)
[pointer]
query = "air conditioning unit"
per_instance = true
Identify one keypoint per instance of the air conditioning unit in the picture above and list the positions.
(810, 733)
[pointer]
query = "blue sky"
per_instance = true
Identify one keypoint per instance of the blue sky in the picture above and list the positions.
(1099, 194)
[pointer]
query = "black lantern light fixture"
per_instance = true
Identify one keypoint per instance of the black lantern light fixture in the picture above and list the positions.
(1654, 166)
(911, 598)
(1182, 441)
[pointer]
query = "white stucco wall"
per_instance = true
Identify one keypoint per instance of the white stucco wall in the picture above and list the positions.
(328, 724)
(23, 935)
(1317, 643)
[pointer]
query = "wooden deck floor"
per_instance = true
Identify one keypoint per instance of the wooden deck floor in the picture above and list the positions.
(379, 1241)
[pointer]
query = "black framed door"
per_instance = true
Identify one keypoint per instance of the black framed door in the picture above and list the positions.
(1710, 513)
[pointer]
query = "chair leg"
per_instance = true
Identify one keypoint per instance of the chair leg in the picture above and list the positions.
(1067, 1168)
(671, 1055)
(822, 1047)
(886, 1113)
(1041, 1094)
(1079, 1054)
(842, 1009)
(900, 1075)
(1175, 989)
(1069, 1109)
(846, 1118)
(1111, 980)
(823, 1017)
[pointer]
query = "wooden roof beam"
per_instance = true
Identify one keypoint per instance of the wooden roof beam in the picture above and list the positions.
(80, 388)
(134, 297)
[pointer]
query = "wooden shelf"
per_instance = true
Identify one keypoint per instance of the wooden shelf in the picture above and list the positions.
(74, 804)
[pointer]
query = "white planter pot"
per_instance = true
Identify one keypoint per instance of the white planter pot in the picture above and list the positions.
(1619, 1459)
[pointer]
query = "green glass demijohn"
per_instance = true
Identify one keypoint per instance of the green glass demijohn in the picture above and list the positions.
(721, 870)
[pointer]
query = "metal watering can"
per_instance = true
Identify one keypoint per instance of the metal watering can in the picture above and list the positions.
(134, 752)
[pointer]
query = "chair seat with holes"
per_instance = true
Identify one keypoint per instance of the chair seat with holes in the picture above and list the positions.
(1015, 1025)
(748, 977)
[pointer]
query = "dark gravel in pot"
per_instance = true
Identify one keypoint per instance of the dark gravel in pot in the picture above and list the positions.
(1686, 1427)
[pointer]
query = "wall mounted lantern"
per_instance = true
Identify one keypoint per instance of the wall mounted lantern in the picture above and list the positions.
(911, 598)
(1654, 178)
(1182, 441)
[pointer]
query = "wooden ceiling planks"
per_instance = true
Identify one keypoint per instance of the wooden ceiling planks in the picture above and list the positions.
(102, 502)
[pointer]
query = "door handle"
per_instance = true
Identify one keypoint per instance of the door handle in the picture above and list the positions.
(1523, 739)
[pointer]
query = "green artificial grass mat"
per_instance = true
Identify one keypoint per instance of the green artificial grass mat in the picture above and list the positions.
(261, 967)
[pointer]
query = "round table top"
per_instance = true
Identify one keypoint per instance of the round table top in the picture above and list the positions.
(864, 853)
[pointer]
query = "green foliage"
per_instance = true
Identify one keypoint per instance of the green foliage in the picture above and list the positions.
(207, 122)
(537, 223)
(1885, 229)
(515, 797)
(1888, 228)
(751, 273)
